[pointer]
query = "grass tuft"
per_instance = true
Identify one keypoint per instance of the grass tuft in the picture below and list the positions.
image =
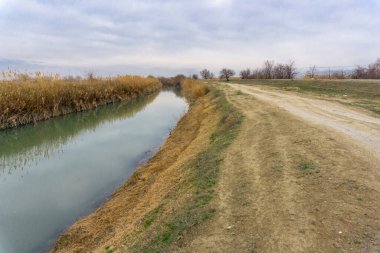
(308, 168)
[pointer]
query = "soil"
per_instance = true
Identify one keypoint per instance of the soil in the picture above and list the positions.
(302, 176)
(357, 124)
(117, 223)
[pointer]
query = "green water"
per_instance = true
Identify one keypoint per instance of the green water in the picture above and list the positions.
(57, 171)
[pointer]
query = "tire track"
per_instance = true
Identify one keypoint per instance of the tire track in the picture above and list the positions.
(290, 186)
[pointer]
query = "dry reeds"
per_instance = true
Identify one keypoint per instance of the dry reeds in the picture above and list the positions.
(25, 99)
(193, 89)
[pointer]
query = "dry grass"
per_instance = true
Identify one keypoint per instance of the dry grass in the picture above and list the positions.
(193, 89)
(127, 217)
(25, 99)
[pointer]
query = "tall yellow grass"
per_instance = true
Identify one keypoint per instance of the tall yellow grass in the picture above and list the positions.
(193, 89)
(24, 99)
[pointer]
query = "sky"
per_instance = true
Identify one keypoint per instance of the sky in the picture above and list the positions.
(164, 37)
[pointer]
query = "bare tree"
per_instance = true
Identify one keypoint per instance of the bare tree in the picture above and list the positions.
(267, 69)
(270, 71)
(290, 70)
(311, 72)
(245, 74)
(172, 81)
(374, 70)
(178, 79)
(359, 72)
(226, 74)
(279, 71)
(206, 74)
(371, 72)
(257, 74)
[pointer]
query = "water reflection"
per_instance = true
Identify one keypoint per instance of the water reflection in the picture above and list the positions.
(24, 147)
(59, 170)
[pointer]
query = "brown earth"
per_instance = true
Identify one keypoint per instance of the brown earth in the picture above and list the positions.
(290, 185)
(117, 224)
(287, 184)
(355, 122)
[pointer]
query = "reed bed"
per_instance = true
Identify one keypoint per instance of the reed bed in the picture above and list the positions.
(193, 89)
(25, 99)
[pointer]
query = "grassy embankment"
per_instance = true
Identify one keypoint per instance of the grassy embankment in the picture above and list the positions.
(29, 100)
(362, 93)
(161, 204)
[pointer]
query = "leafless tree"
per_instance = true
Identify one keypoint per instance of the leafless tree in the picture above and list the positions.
(270, 70)
(371, 72)
(279, 71)
(206, 74)
(267, 69)
(172, 81)
(226, 74)
(178, 79)
(311, 72)
(290, 70)
(374, 70)
(359, 73)
(257, 74)
(245, 74)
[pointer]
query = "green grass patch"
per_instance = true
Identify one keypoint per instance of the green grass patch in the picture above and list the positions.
(150, 218)
(373, 106)
(63, 240)
(204, 170)
(308, 168)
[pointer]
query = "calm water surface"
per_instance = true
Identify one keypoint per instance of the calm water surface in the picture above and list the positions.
(57, 171)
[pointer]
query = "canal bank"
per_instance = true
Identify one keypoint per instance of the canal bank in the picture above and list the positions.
(59, 170)
(164, 199)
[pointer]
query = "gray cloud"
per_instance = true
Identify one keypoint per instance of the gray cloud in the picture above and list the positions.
(164, 36)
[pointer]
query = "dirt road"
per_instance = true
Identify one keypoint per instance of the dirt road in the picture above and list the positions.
(302, 176)
(357, 125)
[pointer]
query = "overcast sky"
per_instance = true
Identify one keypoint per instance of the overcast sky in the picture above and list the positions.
(168, 36)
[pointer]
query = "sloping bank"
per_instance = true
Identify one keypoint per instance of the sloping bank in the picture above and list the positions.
(159, 207)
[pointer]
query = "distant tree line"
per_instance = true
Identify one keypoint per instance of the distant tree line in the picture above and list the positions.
(225, 73)
(370, 72)
(174, 82)
(360, 72)
(270, 70)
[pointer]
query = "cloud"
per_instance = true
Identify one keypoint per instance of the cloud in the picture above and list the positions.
(219, 3)
(188, 35)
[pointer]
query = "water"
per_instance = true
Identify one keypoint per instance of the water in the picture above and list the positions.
(57, 171)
